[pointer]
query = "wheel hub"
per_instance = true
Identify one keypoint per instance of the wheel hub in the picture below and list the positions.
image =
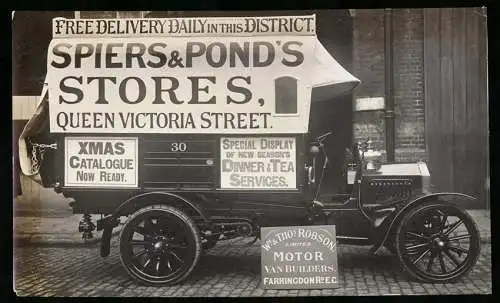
(160, 244)
(439, 242)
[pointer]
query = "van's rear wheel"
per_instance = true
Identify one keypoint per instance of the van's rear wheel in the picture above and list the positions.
(159, 245)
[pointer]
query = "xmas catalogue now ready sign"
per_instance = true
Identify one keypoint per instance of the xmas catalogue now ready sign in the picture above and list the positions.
(189, 75)
(102, 162)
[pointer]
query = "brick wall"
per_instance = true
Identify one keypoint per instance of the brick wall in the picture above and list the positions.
(408, 66)
(368, 50)
(368, 66)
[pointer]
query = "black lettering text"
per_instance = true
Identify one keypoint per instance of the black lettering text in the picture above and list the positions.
(70, 90)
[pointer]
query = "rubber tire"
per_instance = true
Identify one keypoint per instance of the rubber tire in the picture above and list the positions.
(470, 262)
(182, 216)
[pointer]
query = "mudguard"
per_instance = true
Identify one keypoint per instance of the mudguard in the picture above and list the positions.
(165, 197)
(386, 219)
(108, 223)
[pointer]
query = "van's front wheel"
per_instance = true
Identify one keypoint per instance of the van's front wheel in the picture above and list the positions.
(159, 245)
(437, 242)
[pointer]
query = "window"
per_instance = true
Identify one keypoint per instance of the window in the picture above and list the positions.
(285, 92)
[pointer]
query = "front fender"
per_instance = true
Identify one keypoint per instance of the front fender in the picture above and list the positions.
(385, 225)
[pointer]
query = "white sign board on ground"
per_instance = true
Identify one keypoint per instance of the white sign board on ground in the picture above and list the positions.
(299, 257)
(258, 163)
(101, 162)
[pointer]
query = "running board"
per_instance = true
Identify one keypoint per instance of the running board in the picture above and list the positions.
(348, 240)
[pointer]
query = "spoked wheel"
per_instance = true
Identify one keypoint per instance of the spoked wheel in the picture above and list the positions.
(159, 245)
(437, 243)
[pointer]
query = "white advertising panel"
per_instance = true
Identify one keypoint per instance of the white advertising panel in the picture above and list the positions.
(101, 162)
(258, 163)
(181, 84)
(252, 75)
(179, 27)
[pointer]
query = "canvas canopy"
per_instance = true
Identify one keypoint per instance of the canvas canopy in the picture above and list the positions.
(254, 75)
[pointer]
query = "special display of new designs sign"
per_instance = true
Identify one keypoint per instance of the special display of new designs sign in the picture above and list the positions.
(258, 163)
(299, 257)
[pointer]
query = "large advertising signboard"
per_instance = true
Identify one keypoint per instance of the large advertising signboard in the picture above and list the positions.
(248, 80)
(299, 257)
(221, 76)
(258, 163)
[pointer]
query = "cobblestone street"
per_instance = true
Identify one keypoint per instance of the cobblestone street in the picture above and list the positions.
(228, 270)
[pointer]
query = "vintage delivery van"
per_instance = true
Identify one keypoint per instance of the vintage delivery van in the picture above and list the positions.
(197, 130)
